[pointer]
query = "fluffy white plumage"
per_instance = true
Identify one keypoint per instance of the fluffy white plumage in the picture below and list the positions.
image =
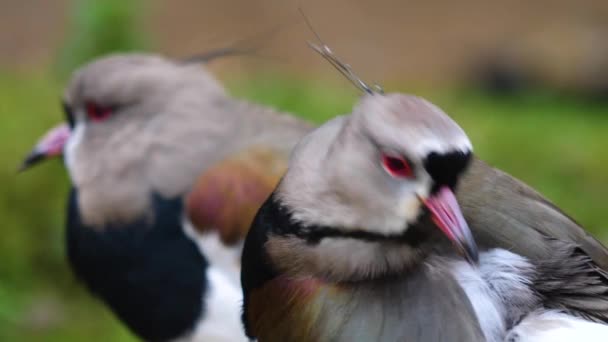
(499, 283)
(500, 290)
(555, 326)
(222, 322)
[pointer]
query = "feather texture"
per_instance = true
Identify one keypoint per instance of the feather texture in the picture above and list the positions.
(505, 213)
(395, 309)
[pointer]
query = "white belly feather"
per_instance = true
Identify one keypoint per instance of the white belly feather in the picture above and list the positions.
(500, 290)
(221, 321)
(554, 326)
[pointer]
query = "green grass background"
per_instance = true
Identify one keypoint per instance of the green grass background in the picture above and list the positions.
(557, 145)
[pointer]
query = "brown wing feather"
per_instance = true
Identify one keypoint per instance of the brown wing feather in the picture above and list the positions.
(506, 213)
(571, 281)
(226, 196)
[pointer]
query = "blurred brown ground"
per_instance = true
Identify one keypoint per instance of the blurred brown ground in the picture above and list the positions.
(389, 40)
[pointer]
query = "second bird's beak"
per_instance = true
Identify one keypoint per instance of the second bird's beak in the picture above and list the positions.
(51, 145)
(446, 214)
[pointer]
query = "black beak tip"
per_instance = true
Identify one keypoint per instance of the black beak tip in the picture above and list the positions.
(473, 258)
(32, 159)
(471, 253)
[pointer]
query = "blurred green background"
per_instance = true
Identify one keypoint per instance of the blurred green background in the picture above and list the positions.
(537, 111)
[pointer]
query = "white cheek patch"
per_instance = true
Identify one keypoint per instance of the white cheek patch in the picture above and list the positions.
(70, 148)
(410, 195)
(410, 208)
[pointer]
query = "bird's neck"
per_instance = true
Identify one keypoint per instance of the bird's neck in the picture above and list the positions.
(332, 253)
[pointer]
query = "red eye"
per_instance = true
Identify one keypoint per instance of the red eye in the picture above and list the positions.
(397, 167)
(97, 113)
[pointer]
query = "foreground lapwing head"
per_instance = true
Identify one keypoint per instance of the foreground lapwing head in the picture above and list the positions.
(369, 180)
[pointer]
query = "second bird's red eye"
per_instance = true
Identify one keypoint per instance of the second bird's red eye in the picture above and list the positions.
(97, 113)
(397, 167)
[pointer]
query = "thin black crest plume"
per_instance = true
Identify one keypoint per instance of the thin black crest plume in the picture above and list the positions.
(345, 69)
(208, 56)
(246, 46)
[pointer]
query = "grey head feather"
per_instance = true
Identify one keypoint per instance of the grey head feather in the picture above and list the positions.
(124, 79)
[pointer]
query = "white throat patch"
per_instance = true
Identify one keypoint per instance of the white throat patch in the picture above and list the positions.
(71, 145)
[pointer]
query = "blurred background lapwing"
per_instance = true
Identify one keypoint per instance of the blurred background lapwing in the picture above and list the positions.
(160, 160)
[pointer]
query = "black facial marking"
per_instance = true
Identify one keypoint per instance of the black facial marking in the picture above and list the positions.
(412, 236)
(446, 168)
(313, 234)
(69, 115)
(149, 273)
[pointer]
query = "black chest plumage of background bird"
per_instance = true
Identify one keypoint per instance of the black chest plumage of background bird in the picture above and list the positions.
(148, 271)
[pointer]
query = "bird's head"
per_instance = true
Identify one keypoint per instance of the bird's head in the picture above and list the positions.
(127, 123)
(365, 191)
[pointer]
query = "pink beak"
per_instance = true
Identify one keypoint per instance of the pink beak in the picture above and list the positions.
(446, 214)
(51, 145)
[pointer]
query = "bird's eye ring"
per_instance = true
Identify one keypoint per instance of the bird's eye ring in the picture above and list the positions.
(96, 112)
(398, 167)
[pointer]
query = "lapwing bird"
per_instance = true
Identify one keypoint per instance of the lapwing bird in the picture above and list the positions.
(167, 172)
(364, 239)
